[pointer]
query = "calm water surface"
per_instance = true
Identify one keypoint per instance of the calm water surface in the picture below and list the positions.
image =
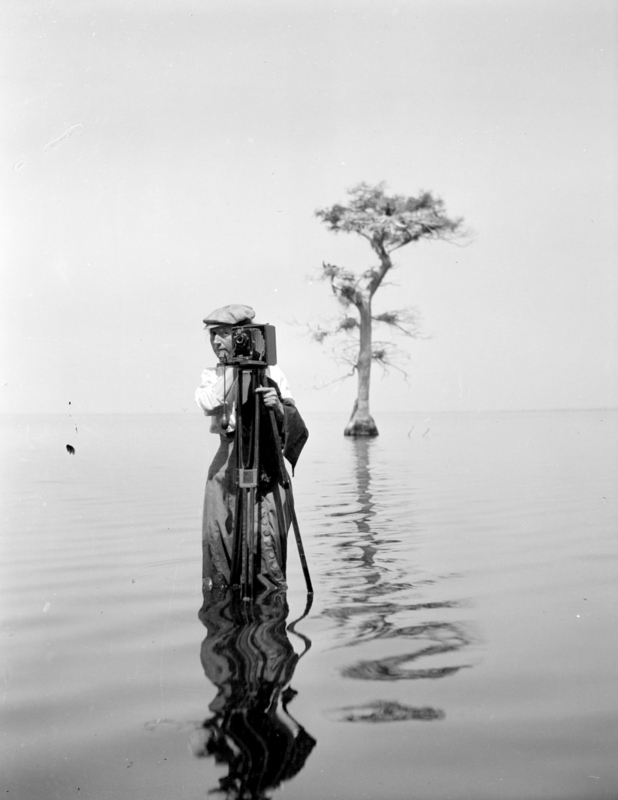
(462, 641)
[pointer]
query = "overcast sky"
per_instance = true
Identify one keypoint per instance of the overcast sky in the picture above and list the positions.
(160, 159)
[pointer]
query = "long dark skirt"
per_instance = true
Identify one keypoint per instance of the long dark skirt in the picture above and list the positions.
(272, 522)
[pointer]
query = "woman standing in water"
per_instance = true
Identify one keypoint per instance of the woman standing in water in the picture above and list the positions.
(217, 397)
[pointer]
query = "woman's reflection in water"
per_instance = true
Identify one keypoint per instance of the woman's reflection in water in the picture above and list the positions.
(249, 658)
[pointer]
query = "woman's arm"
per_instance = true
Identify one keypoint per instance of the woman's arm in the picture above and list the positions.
(210, 394)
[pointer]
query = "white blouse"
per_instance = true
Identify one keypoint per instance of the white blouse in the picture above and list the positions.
(210, 398)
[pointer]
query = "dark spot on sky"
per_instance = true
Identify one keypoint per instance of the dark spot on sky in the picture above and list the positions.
(70, 449)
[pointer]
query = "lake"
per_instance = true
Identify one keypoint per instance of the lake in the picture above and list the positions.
(461, 643)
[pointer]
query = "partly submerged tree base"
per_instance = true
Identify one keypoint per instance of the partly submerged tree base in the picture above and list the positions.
(361, 427)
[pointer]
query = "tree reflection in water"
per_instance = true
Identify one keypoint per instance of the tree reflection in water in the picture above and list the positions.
(249, 658)
(370, 606)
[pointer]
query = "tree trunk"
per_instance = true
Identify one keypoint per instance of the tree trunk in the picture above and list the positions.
(361, 422)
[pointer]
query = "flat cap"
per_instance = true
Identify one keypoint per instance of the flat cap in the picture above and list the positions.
(235, 314)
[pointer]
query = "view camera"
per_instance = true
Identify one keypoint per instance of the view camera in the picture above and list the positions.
(254, 345)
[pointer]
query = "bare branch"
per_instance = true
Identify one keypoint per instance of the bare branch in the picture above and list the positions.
(335, 380)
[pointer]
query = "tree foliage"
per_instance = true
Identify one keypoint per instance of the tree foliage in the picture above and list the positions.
(389, 222)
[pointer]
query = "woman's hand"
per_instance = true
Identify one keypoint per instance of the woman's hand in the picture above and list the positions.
(271, 400)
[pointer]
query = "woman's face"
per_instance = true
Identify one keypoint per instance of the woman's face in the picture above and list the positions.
(221, 341)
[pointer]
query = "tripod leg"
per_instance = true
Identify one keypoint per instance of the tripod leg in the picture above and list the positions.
(301, 551)
(253, 532)
(250, 538)
(236, 568)
(237, 571)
